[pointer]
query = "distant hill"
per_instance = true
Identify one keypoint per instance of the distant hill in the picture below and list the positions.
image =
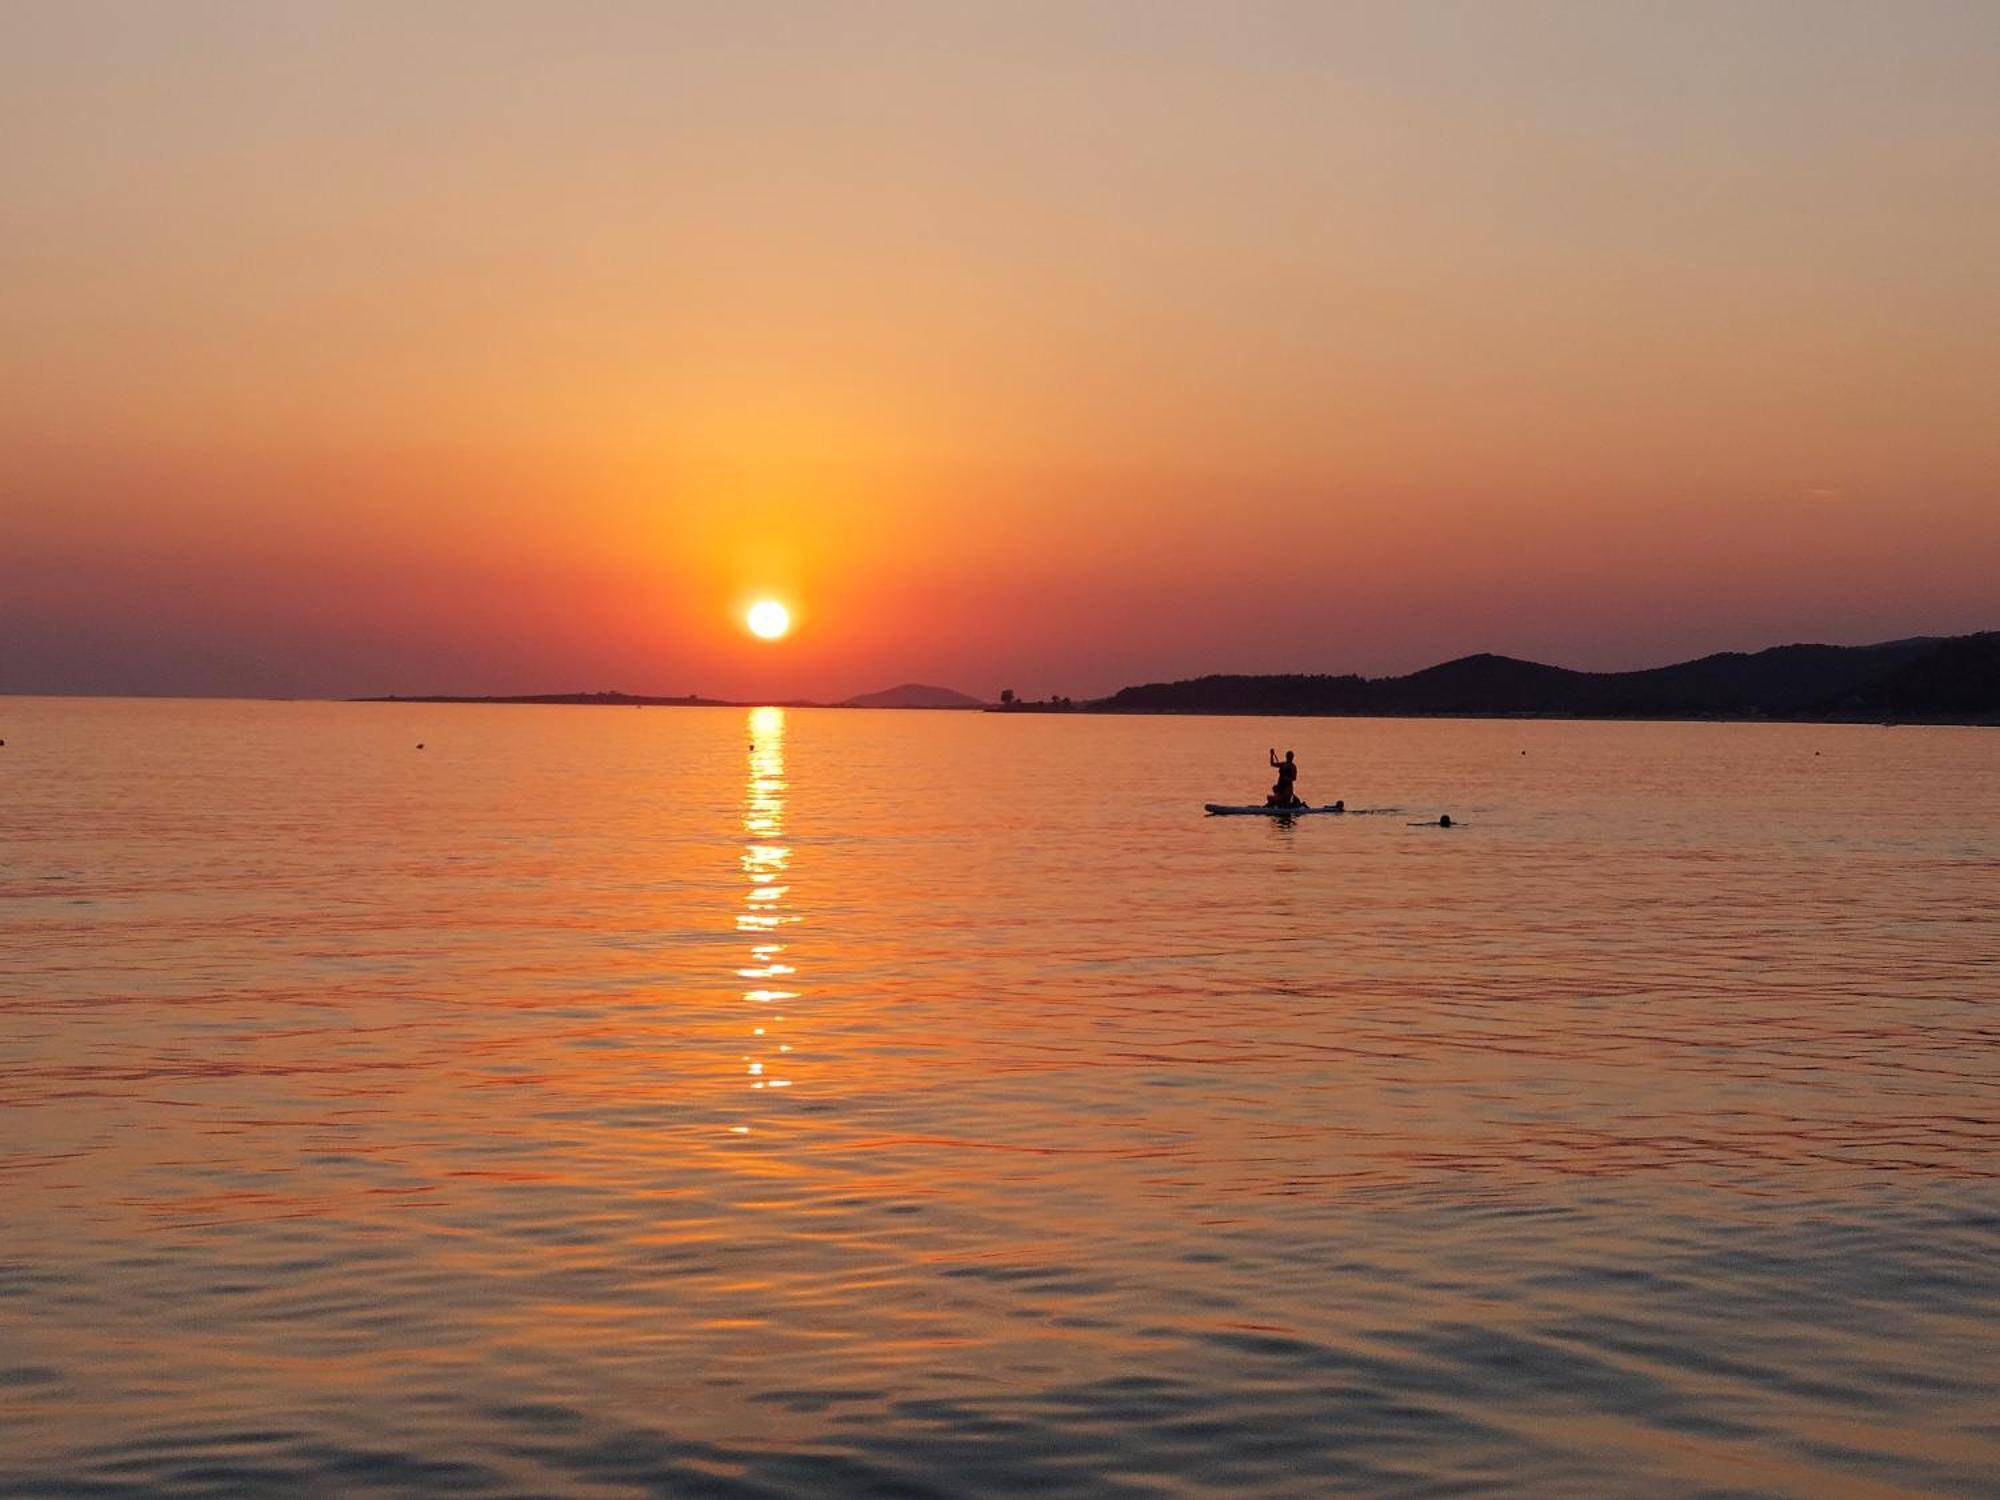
(1960, 679)
(1955, 678)
(601, 700)
(909, 695)
(914, 695)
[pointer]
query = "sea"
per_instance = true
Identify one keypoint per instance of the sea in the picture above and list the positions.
(416, 1100)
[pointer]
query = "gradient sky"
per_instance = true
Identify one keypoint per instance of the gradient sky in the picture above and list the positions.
(500, 347)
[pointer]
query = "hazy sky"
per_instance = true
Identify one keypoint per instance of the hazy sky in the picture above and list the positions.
(502, 347)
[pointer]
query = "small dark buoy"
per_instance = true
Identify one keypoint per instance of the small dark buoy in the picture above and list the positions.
(1445, 821)
(420, 744)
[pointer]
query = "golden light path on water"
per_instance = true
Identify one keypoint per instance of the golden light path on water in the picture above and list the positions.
(766, 865)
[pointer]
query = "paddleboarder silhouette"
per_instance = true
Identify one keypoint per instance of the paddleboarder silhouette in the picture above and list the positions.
(1285, 793)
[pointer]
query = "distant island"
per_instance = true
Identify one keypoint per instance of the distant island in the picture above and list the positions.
(1953, 679)
(914, 695)
(600, 700)
(909, 695)
(1930, 679)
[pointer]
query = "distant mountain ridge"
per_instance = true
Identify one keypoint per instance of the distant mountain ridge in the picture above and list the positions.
(1953, 678)
(1947, 679)
(914, 695)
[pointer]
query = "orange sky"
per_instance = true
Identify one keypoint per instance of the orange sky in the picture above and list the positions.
(498, 347)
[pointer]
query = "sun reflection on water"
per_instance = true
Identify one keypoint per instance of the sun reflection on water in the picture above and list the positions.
(766, 861)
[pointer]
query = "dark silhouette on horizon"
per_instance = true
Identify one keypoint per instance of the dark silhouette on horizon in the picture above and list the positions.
(1941, 679)
(1952, 678)
(909, 695)
(914, 695)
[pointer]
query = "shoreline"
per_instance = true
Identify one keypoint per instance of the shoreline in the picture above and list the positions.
(1094, 710)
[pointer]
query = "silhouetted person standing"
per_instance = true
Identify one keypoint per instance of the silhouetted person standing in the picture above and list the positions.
(1285, 793)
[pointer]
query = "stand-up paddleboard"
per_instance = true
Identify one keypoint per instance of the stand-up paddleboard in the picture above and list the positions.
(1222, 810)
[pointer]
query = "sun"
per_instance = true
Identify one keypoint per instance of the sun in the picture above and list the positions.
(769, 619)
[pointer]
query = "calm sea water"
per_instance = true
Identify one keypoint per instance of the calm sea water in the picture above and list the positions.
(693, 1102)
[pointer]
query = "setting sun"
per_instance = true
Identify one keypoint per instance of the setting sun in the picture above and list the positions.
(769, 619)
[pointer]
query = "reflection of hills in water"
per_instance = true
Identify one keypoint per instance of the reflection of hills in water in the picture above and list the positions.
(766, 861)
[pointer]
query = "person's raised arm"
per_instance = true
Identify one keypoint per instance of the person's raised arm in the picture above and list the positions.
(1274, 755)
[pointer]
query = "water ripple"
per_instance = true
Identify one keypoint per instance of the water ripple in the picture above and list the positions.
(594, 1107)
